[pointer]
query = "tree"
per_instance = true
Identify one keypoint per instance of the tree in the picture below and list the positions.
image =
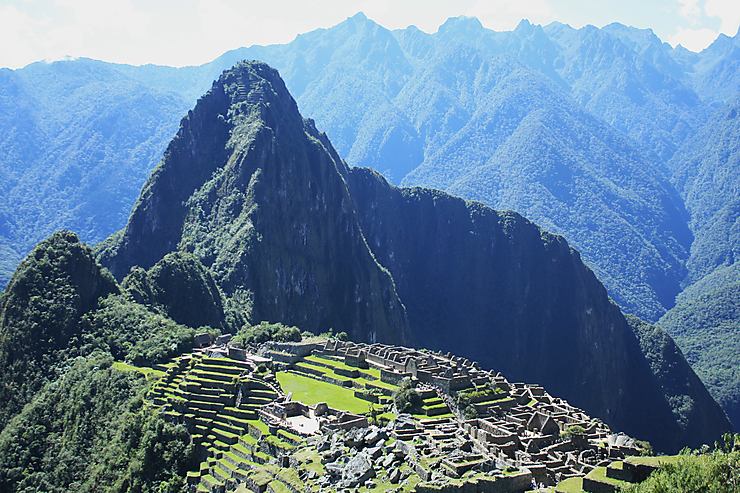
(406, 398)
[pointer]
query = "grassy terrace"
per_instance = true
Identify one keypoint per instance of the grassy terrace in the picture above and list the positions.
(311, 391)
(149, 373)
(372, 373)
(204, 394)
(422, 417)
(599, 474)
(368, 376)
(570, 485)
(655, 461)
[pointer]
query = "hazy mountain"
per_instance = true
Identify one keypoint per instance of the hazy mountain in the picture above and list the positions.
(78, 139)
(398, 99)
(705, 171)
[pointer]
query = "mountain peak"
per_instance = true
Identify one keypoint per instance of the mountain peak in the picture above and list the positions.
(461, 24)
(358, 17)
(359, 21)
(252, 82)
(524, 25)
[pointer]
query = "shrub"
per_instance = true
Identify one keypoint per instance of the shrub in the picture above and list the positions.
(573, 430)
(406, 398)
(266, 331)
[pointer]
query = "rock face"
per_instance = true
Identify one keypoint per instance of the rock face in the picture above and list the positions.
(290, 234)
(259, 196)
(496, 288)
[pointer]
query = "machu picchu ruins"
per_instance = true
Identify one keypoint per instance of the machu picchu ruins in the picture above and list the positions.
(319, 415)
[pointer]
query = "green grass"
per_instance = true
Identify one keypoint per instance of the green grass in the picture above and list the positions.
(310, 391)
(438, 416)
(279, 487)
(331, 362)
(599, 474)
(149, 373)
(570, 485)
(654, 461)
(379, 384)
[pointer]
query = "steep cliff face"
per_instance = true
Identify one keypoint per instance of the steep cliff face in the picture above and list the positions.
(495, 287)
(259, 196)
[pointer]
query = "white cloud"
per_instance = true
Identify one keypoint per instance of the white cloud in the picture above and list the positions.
(693, 39)
(701, 14)
(690, 9)
(728, 12)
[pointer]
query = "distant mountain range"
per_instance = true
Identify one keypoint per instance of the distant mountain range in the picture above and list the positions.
(607, 136)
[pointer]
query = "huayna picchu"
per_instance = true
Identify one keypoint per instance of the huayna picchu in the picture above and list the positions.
(252, 216)
(331, 415)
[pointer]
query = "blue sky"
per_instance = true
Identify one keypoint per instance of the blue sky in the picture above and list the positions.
(183, 32)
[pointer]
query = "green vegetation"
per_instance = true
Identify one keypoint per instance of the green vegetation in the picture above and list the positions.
(684, 396)
(406, 398)
(89, 432)
(717, 471)
(599, 474)
(133, 333)
(266, 331)
(40, 314)
(572, 430)
(78, 422)
(311, 391)
(149, 373)
(656, 460)
(704, 324)
(180, 287)
(570, 485)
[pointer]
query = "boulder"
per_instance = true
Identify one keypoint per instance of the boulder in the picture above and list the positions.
(358, 470)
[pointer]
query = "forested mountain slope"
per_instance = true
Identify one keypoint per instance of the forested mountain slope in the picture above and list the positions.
(706, 319)
(704, 323)
(706, 173)
(258, 195)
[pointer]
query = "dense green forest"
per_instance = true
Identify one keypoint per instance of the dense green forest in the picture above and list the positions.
(704, 323)
(90, 431)
(699, 471)
(61, 304)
